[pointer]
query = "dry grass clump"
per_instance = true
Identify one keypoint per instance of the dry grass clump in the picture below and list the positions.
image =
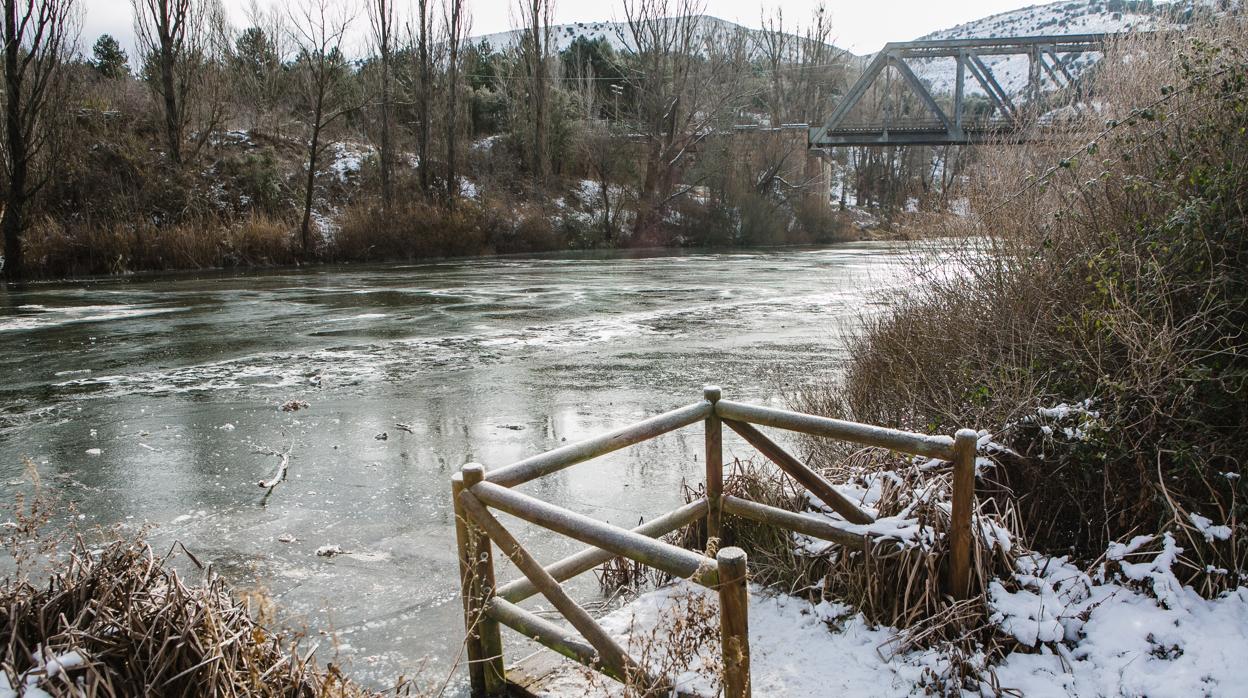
(117, 621)
(774, 559)
(894, 583)
(1107, 263)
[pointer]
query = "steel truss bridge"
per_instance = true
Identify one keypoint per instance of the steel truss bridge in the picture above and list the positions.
(1010, 117)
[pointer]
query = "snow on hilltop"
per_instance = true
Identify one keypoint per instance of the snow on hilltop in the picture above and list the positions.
(711, 31)
(1059, 18)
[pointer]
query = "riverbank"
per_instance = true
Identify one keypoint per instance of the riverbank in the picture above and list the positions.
(419, 233)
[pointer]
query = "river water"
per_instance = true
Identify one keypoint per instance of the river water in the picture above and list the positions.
(154, 400)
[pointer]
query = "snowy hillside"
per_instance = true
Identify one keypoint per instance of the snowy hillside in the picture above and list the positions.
(1071, 17)
(711, 31)
(1067, 17)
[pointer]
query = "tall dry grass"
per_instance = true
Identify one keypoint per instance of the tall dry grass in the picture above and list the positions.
(1106, 260)
(55, 248)
(420, 230)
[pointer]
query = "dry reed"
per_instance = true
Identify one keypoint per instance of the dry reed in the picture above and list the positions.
(139, 629)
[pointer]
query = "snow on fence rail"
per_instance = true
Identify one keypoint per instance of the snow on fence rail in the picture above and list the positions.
(487, 605)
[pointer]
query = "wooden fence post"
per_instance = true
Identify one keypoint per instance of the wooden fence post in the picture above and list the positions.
(960, 535)
(734, 626)
(714, 467)
(476, 569)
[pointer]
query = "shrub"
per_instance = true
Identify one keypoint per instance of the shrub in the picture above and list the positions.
(1112, 270)
(424, 230)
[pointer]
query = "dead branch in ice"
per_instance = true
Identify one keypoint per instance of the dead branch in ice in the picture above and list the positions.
(405, 427)
(283, 465)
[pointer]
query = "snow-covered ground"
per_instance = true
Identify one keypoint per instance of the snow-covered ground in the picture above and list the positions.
(1140, 634)
(1083, 637)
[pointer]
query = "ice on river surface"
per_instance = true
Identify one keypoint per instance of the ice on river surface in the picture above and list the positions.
(156, 399)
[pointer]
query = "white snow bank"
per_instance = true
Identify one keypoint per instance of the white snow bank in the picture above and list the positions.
(1136, 632)
(1114, 640)
(792, 650)
(348, 158)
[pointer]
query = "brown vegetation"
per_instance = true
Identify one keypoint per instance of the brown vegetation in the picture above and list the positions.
(219, 146)
(119, 621)
(1107, 266)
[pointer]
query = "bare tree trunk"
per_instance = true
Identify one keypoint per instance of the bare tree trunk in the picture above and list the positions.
(36, 43)
(537, 56)
(455, 30)
(15, 137)
(163, 28)
(173, 115)
(383, 24)
(314, 150)
(424, 93)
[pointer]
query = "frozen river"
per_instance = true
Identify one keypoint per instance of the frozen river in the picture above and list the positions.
(148, 399)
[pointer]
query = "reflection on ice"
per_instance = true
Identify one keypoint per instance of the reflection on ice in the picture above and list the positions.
(51, 317)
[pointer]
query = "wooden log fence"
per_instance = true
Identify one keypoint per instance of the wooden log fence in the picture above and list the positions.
(488, 606)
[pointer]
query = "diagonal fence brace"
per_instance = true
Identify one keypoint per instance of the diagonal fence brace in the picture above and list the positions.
(613, 657)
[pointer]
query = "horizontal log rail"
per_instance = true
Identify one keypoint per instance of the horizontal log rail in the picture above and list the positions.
(581, 451)
(940, 447)
(487, 605)
(535, 627)
(814, 526)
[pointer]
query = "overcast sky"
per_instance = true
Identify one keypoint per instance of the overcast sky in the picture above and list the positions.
(862, 27)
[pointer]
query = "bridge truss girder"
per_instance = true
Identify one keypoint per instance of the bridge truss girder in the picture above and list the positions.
(1044, 60)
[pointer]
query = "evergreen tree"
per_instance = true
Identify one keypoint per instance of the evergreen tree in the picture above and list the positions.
(110, 61)
(255, 53)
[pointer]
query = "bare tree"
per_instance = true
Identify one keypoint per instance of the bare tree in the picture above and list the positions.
(422, 89)
(324, 83)
(685, 81)
(803, 69)
(456, 22)
(39, 35)
(181, 39)
(777, 52)
(609, 165)
(381, 16)
(536, 52)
